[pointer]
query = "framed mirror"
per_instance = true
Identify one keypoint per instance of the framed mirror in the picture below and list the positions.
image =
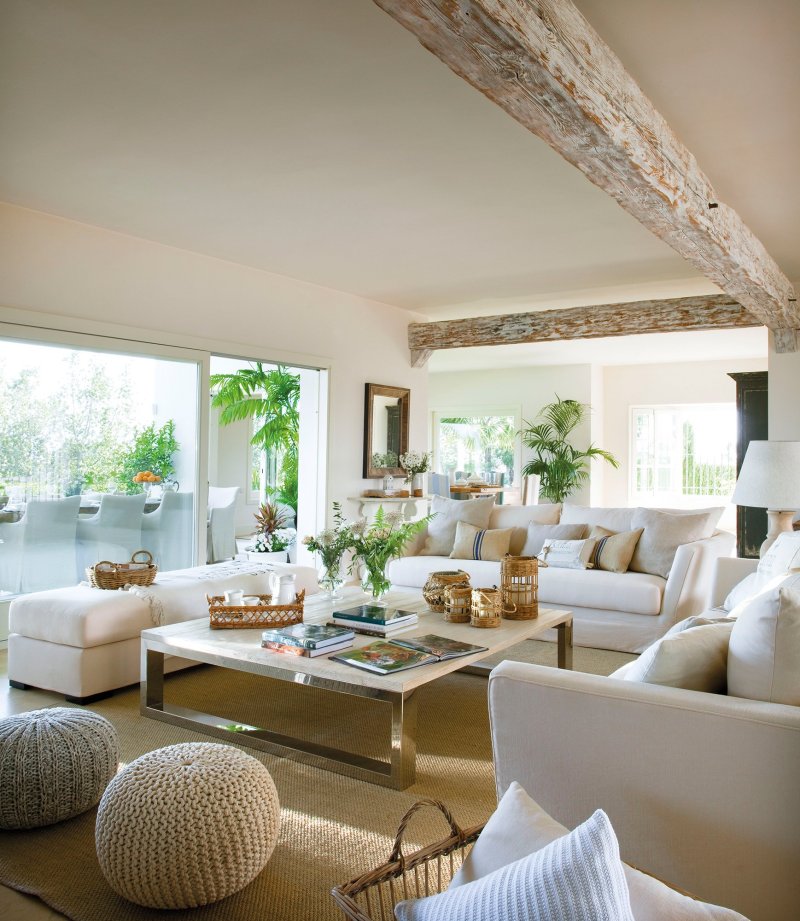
(385, 429)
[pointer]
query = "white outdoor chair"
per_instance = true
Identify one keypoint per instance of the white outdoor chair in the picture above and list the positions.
(221, 529)
(38, 551)
(113, 533)
(530, 489)
(167, 532)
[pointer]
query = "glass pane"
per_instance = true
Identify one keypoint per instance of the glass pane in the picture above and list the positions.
(98, 458)
(480, 446)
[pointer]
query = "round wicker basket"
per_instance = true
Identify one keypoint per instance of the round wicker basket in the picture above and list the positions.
(487, 607)
(434, 589)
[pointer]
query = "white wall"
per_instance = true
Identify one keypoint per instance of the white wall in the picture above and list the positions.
(784, 394)
(636, 385)
(523, 390)
(49, 265)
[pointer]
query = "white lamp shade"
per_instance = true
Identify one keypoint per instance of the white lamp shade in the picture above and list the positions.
(770, 476)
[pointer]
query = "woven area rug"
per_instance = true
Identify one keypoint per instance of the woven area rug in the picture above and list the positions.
(333, 828)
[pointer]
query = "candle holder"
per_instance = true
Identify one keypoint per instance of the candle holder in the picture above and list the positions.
(519, 584)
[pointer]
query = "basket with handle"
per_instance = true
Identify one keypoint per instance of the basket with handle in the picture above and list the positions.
(519, 583)
(373, 895)
(141, 570)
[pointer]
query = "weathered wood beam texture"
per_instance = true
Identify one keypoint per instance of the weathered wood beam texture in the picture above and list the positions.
(545, 65)
(714, 311)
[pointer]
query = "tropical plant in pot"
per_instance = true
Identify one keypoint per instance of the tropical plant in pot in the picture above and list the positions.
(562, 468)
(375, 544)
(272, 533)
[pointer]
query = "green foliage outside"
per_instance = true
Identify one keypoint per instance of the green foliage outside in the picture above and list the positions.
(702, 479)
(154, 450)
(488, 439)
(562, 467)
(270, 397)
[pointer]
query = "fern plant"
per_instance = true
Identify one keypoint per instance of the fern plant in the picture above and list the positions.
(561, 467)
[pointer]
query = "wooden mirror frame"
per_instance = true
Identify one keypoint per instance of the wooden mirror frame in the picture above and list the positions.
(403, 395)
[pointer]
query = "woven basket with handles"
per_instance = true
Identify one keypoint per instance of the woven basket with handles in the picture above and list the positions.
(141, 570)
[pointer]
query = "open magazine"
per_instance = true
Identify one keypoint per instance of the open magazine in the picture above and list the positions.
(386, 658)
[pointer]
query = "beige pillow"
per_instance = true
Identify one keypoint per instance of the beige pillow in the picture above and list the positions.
(538, 534)
(663, 534)
(614, 550)
(447, 513)
(479, 544)
(765, 645)
(695, 659)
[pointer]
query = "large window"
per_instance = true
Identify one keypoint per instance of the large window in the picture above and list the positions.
(683, 456)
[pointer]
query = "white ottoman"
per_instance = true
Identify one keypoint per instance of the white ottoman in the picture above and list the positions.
(54, 764)
(187, 825)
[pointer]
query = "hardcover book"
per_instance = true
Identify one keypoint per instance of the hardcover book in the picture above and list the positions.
(288, 649)
(377, 629)
(307, 636)
(384, 658)
(373, 614)
(440, 646)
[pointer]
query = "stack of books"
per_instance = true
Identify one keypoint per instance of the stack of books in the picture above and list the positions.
(307, 639)
(374, 620)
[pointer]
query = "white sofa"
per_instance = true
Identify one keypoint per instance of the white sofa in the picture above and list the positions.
(623, 611)
(701, 788)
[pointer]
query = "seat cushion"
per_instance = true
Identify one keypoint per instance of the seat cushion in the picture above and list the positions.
(630, 592)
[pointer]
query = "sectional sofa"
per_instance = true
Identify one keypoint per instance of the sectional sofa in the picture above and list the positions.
(623, 611)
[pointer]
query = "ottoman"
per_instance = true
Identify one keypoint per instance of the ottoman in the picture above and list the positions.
(54, 764)
(187, 825)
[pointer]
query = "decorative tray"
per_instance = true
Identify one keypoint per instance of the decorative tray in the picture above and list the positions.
(250, 616)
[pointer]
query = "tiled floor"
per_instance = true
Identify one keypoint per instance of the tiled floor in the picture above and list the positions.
(14, 906)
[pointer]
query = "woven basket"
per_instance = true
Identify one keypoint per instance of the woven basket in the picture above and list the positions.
(433, 591)
(457, 604)
(486, 608)
(519, 583)
(373, 895)
(249, 616)
(116, 575)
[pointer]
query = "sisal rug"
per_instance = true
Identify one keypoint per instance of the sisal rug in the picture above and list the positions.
(332, 827)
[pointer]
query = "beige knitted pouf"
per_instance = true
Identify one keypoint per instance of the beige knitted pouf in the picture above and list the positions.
(187, 825)
(54, 764)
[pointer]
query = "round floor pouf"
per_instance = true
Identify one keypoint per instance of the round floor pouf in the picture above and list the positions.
(187, 825)
(54, 764)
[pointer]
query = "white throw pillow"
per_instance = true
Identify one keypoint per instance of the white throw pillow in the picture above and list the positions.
(663, 533)
(764, 649)
(447, 513)
(782, 557)
(574, 878)
(695, 659)
(520, 826)
(538, 534)
(568, 554)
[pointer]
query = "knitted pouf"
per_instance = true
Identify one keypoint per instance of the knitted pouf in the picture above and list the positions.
(187, 825)
(54, 764)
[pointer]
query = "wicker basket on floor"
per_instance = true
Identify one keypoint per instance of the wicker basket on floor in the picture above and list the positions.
(106, 574)
(249, 616)
(373, 895)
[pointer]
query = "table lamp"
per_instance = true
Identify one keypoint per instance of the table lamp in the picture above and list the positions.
(770, 479)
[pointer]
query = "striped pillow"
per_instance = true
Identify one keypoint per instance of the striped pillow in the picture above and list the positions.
(479, 544)
(614, 551)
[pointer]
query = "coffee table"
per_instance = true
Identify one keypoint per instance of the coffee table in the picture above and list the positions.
(241, 650)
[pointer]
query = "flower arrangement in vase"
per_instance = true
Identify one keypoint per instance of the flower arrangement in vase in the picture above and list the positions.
(375, 544)
(415, 463)
(331, 544)
(272, 535)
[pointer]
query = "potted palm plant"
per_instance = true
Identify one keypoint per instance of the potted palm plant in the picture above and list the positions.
(561, 466)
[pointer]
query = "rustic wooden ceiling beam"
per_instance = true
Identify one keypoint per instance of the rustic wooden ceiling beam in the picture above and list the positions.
(545, 65)
(680, 314)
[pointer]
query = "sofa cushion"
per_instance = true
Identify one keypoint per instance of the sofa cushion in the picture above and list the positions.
(630, 592)
(446, 515)
(538, 534)
(663, 533)
(577, 876)
(614, 550)
(568, 554)
(615, 519)
(479, 544)
(694, 659)
(765, 645)
(520, 826)
(519, 517)
(783, 556)
(413, 571)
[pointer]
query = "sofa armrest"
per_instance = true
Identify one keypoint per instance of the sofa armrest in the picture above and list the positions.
(688, 587)
(701, 788)
(728, 572)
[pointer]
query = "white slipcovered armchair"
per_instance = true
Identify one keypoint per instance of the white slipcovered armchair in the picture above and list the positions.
(221, 523)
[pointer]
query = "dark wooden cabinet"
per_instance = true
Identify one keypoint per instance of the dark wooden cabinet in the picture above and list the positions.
(752, 402)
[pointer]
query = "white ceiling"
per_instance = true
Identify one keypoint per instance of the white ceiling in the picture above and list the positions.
(319, 140)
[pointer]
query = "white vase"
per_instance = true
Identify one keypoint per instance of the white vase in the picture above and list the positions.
(274, 556)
